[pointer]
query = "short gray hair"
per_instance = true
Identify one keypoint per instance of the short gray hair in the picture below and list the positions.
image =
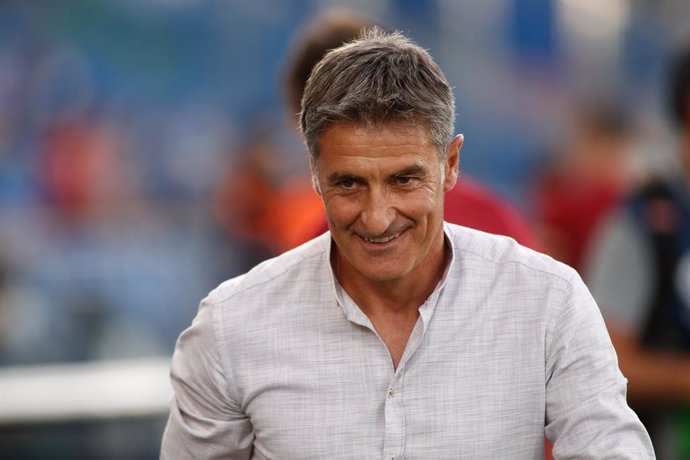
(381, 77)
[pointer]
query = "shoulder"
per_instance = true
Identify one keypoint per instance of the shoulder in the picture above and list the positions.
(293, 270)
(477, 248)
(279, 299)
(508, 280)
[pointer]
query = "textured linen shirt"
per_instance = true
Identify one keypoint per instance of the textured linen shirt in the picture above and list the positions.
(281, 364)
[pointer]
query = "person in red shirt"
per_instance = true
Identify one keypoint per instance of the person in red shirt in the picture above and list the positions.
(595, 169)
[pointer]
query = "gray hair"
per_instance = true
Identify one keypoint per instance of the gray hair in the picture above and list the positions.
(381, 77)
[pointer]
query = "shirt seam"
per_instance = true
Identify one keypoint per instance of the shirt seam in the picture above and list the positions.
(226, 369)
(561, 277)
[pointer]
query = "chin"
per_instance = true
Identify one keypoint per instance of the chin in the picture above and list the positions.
(381, 274)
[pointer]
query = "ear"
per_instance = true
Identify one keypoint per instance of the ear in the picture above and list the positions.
(452, 162)
(314, 171)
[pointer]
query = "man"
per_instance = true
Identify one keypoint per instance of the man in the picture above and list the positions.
(396, 335)
(639, 271)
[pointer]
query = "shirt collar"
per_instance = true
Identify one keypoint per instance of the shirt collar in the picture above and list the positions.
(354, 313)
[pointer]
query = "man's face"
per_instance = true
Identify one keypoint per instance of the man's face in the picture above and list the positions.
(383, 189)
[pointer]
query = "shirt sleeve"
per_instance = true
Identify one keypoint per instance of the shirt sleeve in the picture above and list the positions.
(587, 416)
(204, 421)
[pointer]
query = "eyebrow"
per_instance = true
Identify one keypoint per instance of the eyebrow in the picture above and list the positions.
(414, 170)
(336, 177)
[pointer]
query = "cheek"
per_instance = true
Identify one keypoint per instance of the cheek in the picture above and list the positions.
(429, 199)
(340, 211)
(420, 208)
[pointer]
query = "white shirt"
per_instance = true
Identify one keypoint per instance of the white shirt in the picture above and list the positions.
(281, 364)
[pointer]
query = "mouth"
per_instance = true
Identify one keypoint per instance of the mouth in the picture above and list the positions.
(381, 239)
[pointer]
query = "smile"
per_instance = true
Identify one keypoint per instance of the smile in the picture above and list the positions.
(381, 240)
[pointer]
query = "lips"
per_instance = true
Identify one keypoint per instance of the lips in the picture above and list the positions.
(381, 239)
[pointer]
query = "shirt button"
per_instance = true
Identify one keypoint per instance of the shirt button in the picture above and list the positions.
(389, 395)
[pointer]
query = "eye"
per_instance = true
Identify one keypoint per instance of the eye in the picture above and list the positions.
(405, 181)
(347, 183)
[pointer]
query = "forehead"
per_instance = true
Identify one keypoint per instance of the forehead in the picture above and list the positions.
(356, 138)
(375, 151)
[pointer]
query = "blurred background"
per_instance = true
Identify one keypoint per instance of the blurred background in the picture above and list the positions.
(145, 144)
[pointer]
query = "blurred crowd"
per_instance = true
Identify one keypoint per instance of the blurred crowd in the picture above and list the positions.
(148, 151)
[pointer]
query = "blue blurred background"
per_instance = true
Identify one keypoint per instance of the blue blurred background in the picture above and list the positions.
(120, 121)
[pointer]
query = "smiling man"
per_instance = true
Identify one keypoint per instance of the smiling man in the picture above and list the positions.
(396, 335)
(383, 188)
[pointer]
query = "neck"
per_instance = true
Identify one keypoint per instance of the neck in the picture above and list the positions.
(397, 296)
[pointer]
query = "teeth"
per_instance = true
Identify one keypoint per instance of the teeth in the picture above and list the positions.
(384, 239)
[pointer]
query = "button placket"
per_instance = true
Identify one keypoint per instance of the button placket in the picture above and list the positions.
(394, 440)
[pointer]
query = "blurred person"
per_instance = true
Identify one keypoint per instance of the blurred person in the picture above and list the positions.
(84, 178)
(80, 168)
(245, 198)
(469, 203)
(396, 334)
(594, 169)
(639, 271)
(261, 205)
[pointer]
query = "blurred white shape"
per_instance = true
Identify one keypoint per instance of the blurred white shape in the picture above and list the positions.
(84, 391)
(592, 34)
(613, 13)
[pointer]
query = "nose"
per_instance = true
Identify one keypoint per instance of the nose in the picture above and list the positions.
(378, 213)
